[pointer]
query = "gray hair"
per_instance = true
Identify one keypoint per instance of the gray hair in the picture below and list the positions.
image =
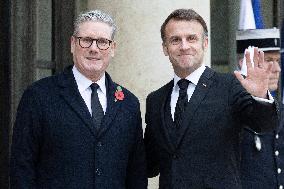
(96, 16)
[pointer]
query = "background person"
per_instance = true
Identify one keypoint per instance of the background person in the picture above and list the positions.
(262, 154)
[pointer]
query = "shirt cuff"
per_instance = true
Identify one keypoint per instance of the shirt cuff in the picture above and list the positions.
(269, 100)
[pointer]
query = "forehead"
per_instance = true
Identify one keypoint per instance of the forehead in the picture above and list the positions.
(94, 29)
(183, 27)
(272, 54)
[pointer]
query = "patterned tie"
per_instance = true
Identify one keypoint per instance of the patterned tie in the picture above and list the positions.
(181, 102)
(97, 110)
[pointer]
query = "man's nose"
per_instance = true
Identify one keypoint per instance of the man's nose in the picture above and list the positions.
(185, 44)
(94, 46)
(276, 66)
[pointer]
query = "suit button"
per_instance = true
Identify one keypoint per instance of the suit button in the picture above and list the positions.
(276, 153)
(175, 156)
(99, 144)
(98, 172)
(279, 170)
(276, 136)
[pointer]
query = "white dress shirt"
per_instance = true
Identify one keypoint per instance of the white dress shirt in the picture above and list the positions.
(85, 90)
(194, 78)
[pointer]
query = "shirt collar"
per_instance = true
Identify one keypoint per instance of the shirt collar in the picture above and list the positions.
(193, 77)
(84, 83)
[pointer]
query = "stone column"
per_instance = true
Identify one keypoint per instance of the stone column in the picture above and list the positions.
(139, 63)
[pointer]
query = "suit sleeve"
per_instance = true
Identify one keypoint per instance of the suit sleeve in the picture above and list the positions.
(24, 149)
(259, 116)
(150, 144)
(136, 170)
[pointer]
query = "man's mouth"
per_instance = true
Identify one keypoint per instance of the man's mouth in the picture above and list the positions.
(92, 58)
(185, 55)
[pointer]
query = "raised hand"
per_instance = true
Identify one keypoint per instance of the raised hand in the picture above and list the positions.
(256, 81)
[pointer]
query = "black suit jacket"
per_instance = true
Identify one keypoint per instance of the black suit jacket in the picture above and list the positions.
(206, 154)
(55, 144)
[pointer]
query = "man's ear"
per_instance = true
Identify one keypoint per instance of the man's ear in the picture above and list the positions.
(165, 49)
(73, 44)
(205, 43)
(113, 47)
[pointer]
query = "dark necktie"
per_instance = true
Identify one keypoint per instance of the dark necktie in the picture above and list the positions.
(97, 110)
(181, 102)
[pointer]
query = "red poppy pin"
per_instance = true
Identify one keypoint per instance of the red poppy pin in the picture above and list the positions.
(119, 95)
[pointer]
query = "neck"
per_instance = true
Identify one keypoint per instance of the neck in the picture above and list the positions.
(95, 78)
(183, 73)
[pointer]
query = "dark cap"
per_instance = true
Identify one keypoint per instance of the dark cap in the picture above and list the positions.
(264, 39)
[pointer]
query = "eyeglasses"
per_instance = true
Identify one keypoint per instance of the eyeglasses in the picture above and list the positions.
(86, 42)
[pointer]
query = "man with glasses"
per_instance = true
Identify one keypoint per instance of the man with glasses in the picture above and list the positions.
(79, 129)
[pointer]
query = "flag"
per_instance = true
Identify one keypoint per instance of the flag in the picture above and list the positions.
(246, 19)
(256, 6)
(250, 15)
(250, 18)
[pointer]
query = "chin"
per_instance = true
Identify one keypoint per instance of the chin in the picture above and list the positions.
(273, 86)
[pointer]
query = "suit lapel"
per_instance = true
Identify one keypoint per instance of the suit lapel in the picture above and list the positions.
(112, 106)
(165, 94)
(197, 97)
(72, 96)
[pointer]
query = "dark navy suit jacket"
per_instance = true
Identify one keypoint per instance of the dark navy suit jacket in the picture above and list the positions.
(55, 144)
(206, 152)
